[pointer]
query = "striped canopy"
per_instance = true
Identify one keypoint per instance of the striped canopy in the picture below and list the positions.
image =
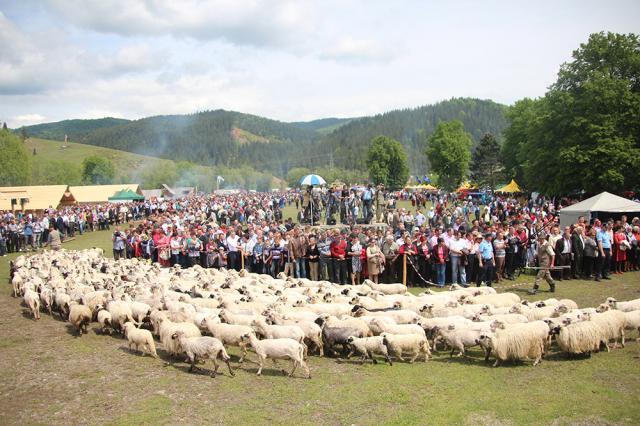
(312, 180)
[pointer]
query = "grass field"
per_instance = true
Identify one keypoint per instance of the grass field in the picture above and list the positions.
(47, 376)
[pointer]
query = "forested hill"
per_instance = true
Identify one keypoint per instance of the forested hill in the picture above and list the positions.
(233, 139)
(323, 125)
(74, 129)
(218, 137)
(412, 127)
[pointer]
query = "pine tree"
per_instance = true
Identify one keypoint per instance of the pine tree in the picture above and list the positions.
(486, 163)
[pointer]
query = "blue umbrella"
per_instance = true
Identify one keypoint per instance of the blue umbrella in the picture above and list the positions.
(312, 180)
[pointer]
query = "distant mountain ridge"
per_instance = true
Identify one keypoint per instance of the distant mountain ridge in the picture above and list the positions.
(234, 139)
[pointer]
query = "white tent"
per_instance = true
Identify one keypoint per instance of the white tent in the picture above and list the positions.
(602, 205)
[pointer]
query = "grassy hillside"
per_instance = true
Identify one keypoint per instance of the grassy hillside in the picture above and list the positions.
(55, 162)
(75, 153)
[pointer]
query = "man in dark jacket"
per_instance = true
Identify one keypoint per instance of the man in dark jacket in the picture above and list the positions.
(577, 249)
(563, 254)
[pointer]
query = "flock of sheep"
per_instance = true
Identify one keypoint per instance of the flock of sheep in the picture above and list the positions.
(198, 312)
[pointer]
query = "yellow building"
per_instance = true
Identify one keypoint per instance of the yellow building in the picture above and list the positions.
(39, 197)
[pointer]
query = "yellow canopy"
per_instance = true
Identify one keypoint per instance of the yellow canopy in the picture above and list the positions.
(511, 187)
(465, 186)
(426, 187)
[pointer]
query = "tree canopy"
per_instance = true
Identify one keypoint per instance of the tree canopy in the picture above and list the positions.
(449, 152)
(387, 162)
(584, 134)
(15, 162)
(98, 170)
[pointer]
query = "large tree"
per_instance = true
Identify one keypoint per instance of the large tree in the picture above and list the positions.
(15, 165)
(387, 162)
(294, 175)
(584, 134)
(449, 152)
(98, 170)
(486, 162)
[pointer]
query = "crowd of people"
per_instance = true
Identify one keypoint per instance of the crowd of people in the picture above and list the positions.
(439, 239)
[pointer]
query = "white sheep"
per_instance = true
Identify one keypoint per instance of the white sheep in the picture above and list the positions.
(505, 318)
(276, 349)
(105, 320)
(459, 338)
(386, 327)
(47, 299)
(32, 300)
(142, 339)
(167, 328)
(612, 324)
(204, 347)
(497, 300)
(229, 334)
(631, 305)
(120, 313)
(632, 322)
(312, 331)
(580, 337)
(278, 331)
(413, 344)
(79, 317)
(516, 343)
(386, 288)
(367, 347)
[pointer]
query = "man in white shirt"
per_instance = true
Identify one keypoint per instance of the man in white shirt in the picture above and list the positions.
(232, 245)
(420, 218)
(458, 251)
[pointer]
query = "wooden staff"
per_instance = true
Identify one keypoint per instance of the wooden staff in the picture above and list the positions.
(242, 258)
(404, 269)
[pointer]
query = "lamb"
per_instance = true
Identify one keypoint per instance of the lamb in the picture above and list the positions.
(204, 347)
(277, 349)
(32, 300)
(141, 338)
(105, 321)
(631, 305)
(554, 302)
(578, 338)
(535, 329)
(397, 344)
(79, 317)
(348, 322)
(459, 338)
(229, 334)
(398, 328)
(514, 343)
(367, 346)
(168, 328)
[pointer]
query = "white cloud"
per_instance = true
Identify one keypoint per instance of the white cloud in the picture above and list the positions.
(353, 50)
(255, 23)
(27, 119)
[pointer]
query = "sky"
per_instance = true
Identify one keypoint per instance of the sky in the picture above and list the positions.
(286, 60)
